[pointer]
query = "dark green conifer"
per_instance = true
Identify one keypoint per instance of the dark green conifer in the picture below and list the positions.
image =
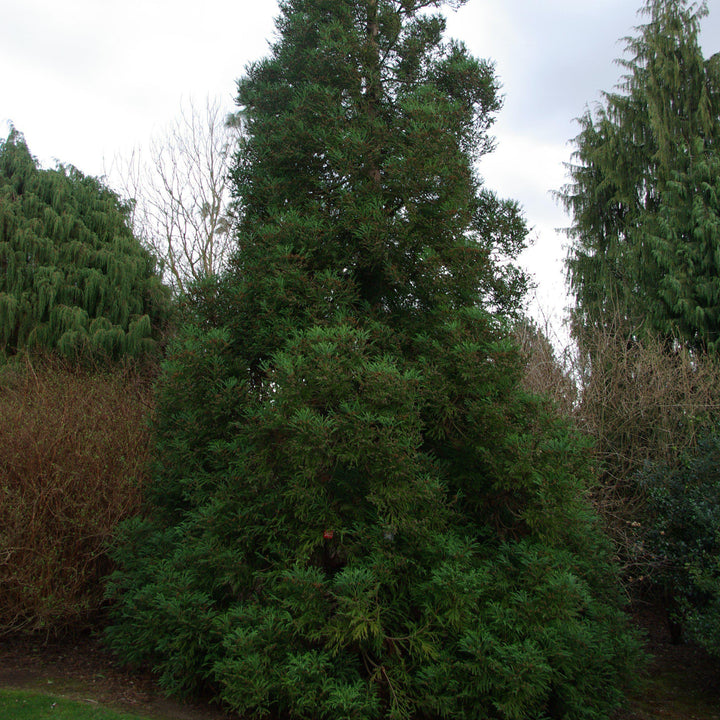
(645, 188)
(356, 510)
(73, 279)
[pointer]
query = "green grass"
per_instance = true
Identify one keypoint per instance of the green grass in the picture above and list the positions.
(25, 705)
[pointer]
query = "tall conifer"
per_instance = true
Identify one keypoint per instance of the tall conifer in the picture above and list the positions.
(356, 511)
(73, 279)
(645, 188)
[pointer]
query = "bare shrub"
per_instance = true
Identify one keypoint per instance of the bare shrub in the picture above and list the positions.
(73, 455)
(643, 402)
(548, 371)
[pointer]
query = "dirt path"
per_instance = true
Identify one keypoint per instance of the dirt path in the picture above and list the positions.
(82, 670)
(682, 681)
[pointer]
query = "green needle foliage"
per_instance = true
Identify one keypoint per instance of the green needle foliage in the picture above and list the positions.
(73, 279)
(645, 189)
(356, 511)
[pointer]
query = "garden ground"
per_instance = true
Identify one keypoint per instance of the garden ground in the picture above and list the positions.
(80, 669)
(682, 683)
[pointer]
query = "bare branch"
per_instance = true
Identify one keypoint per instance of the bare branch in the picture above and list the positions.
(181, 194)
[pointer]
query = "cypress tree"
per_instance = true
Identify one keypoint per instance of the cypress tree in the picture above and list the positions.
(645, 186)
(356, 510)
(73, 279)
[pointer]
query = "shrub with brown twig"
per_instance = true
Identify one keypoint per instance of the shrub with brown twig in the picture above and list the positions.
(643, 402)
(74, 449)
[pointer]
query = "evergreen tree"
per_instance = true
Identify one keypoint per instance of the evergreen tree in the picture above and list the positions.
(356, 510)
(73, 279)
(645, 188)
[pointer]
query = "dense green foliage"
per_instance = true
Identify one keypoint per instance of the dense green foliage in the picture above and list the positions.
(72, 276)
(685, 539)
(645, 188)
(356, 510)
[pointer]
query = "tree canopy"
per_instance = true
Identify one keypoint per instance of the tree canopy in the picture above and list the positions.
(645, 185)
(73, 278)
(356, 510)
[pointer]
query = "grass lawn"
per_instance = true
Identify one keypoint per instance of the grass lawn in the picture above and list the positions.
(25, 705)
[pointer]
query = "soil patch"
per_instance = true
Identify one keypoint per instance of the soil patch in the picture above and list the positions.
(81, 669)
(682, 681)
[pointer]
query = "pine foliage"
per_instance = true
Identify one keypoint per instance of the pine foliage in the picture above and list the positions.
(72, 276)
(645, 188)
(357, 511)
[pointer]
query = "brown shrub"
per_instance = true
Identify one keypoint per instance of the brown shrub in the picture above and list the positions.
(642, 402)
(74, 451)
(548, 372)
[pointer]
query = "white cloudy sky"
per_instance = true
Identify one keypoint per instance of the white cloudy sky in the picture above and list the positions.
(87, 80)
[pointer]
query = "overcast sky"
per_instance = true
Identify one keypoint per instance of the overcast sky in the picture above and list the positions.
(88, 80)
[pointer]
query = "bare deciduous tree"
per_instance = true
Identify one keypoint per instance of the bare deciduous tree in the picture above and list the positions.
(179, 185)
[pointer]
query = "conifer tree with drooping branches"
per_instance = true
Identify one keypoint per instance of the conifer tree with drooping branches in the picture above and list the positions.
(73, 278)
(644, 189)
(356, 510)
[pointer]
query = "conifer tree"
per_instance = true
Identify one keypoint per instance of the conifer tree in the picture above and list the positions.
(645, 186)
(73, 279)
(356, 510)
